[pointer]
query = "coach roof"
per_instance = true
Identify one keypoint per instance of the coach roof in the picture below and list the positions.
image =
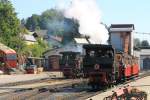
(97, 46)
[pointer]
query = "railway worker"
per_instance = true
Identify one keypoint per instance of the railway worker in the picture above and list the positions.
(121, 66)
(77, 69)
(7, 68)
(2, 66)
(78, 63)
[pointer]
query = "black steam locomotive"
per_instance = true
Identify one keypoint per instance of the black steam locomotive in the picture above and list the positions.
(101, 64)
(70, 64)
(105, 67)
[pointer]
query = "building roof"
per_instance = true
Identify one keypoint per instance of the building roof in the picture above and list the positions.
(122, 27)
(145, 52)
(29, 38)
(97, 46)
(81, 41)
(6, 49)
(68, 48)
(69, 52)
(56, 38)
(41, 33)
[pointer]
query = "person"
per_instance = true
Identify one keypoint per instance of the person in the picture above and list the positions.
(77, 69)
(2, 66)
(7, 68)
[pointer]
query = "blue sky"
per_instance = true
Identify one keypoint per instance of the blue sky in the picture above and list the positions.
(113, 11)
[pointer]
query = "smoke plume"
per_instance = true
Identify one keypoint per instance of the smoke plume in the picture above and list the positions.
(89, 17)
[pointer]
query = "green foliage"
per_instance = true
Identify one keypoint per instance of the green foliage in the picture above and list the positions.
(9, 26)
(10, 29)
(55, 22)
(51, 20)
(33, 22)
(23, 21)
(24, 31)
(137, 42)
(144, 43)
(8, 20)
(36, 49)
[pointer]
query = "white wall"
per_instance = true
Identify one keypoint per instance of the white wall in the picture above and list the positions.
(144, 53)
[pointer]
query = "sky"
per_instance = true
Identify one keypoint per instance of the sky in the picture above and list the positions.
(113, 11)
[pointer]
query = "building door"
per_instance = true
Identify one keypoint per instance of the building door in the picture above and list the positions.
(146, 63)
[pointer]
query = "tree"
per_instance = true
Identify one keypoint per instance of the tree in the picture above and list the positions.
(9, 25)
(144, 43)
(137, 42)
(36, 49)
(71, 30)
(51, 19)
(56, 23)
(23, 22)
(33, 22)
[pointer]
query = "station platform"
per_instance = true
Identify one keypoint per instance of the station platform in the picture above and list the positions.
(142, 84)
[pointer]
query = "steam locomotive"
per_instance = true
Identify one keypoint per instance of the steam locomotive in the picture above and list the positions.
(70, 63)
(105, 66)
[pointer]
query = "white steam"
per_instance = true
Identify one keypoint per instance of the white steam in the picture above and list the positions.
(89, 17)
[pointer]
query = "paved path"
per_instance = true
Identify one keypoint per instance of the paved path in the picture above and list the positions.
(4, 79)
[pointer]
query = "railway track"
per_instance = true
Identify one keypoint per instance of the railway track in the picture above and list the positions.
(75, 90)
(41, 92)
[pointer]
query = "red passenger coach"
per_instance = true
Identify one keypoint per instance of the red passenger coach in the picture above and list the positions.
(8, 56)
(128, 66)
(128, 71)
(135, 67)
